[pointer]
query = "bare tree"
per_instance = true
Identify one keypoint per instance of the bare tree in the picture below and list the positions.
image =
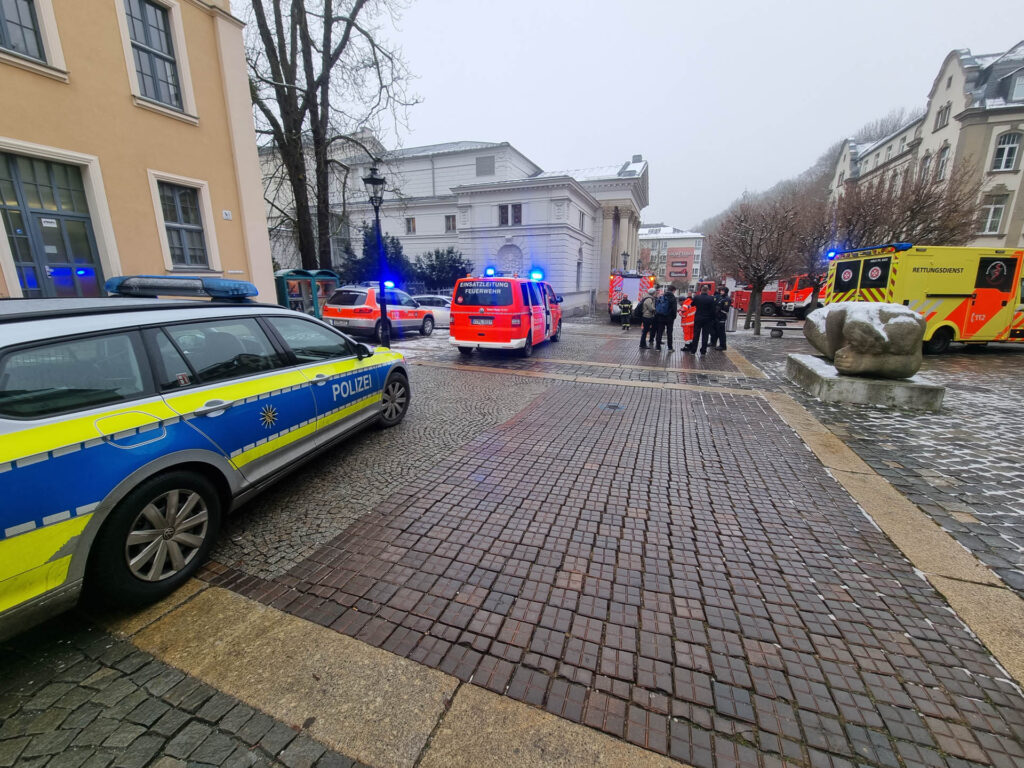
(318, 74)
(756, 239)
(889, 124)
(910, 206)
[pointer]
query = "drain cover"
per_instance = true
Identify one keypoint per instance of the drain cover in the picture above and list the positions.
(610, 406)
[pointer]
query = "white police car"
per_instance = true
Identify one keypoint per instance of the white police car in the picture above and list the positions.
(130, 426)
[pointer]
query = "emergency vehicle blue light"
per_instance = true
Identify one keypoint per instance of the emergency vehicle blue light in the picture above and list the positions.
(489, 272)
(831, 255)
(163, 285)
(388, 284)
(536, 275)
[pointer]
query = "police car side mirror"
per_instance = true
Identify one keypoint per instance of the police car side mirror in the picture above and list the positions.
(363, 351)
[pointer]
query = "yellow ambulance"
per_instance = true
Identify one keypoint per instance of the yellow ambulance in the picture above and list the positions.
(971, 295)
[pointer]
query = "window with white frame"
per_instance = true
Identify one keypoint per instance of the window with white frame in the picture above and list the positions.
(942, 163)
(992, 210)
(183, 221)
(149, 27)
(449, 223)
(1005, 156)
(942, 117)
(903, 144)
(510, 214)
(19, 29)
(583, 220)
(410, 226)
(888, 153)
(1017, 91)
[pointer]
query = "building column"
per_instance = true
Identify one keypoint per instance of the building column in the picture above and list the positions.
(605, 261)
(625, 242)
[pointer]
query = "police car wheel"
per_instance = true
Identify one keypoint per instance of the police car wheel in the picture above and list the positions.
(155, 538)
(527, 348)
(394, 400)
(428, 326)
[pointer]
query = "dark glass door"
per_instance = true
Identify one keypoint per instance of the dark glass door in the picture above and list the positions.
(46, 218)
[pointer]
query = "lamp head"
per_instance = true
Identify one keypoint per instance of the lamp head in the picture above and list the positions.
(374, 184)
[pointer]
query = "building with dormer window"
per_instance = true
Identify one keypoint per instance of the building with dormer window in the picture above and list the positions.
(974, 114)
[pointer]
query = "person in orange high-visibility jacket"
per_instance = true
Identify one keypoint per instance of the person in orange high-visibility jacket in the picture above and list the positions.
(686, 314)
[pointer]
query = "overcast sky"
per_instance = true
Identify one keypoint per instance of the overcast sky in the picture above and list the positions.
(718, 96)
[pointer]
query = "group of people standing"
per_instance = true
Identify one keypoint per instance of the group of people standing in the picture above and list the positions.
(702, 317)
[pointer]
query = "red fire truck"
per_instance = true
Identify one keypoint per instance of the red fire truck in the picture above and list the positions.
(770, 304)
(796, 295)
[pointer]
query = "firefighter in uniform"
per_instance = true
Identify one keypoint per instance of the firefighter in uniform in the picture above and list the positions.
(625, 311)
(686, 314)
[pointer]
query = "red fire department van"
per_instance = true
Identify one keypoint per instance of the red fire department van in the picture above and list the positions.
(503, 313)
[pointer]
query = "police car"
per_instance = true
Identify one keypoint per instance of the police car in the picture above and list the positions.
(130, 426)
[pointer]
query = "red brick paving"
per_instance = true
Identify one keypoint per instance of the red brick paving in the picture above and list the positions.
(655, 572)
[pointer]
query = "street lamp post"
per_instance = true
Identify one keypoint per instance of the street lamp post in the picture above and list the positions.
(374, 184)
(625, 260)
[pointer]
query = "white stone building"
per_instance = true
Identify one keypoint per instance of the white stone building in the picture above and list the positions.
(501, 210)
(673, 254)
(975, 113)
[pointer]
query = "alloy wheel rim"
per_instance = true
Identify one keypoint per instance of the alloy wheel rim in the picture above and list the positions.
(167, 535)
(394, 399)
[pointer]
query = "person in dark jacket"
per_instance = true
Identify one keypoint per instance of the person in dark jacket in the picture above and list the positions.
(666, 318)
(702, 321)
(722, 304)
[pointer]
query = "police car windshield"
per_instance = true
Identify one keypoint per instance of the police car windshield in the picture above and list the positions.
(484, 293)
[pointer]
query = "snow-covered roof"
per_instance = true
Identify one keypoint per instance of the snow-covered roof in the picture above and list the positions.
(662, 232)
(991, 85)
(438, 149)
(627, 170)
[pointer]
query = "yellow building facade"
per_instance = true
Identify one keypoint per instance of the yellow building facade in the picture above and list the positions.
(126, 146)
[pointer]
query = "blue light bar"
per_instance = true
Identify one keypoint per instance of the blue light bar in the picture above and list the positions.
(489, 272)
(894, 246)
(536, 275)
(151, 286)
(388, 284)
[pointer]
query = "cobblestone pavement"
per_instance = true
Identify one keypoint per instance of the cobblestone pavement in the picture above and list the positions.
(585, 556)
(71, 696)
(963, 466)
(288, 522)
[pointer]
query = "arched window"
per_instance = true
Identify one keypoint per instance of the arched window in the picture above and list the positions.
(1005, 157)
(926, 167)
(943, 161)
(510, 259)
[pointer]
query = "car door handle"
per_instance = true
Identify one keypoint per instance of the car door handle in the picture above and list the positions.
(213, 407)
(320, 379)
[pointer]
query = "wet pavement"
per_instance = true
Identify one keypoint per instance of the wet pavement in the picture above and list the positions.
(630, 540)
(646, 562)
(963, 466)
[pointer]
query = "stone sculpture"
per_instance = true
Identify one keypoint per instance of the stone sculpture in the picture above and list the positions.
(864, 338)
